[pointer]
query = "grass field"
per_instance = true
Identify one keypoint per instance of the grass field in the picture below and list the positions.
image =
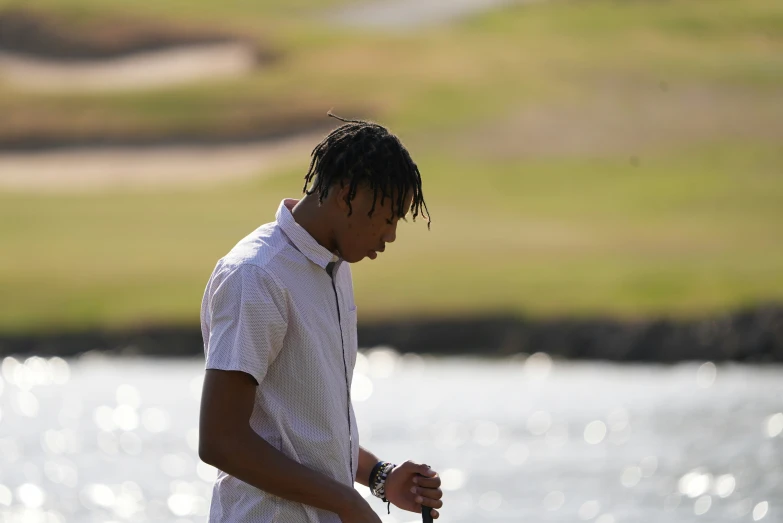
(681, 234)
(627, 227)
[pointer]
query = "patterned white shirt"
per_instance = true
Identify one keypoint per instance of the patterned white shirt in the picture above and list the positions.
(272, 310)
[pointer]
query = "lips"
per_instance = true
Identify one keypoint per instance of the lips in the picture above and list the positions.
(374, 253)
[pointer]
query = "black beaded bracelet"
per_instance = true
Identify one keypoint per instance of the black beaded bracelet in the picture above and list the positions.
(374, 472)
(377, 482)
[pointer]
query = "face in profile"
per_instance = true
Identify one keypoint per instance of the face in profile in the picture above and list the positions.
(362, 236)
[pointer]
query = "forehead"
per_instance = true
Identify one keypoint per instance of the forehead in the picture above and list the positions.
(389, 202)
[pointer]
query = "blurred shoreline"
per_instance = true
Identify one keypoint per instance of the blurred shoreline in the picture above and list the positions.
(753, 334)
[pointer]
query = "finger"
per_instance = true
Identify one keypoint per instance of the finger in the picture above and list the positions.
(427, 482)
(428, 492)
(424, 470)
(435, 514)
(429, 502)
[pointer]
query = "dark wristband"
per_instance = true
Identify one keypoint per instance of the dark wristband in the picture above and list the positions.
(373, 472)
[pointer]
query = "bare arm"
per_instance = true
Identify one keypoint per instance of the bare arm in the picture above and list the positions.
(227, 442)
(367, 460)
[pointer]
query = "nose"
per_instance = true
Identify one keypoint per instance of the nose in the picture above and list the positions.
(391, 234)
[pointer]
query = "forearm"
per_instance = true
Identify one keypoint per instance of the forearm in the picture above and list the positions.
(367, 461)
(251, 459)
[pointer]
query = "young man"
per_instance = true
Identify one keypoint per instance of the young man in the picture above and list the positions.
(279, 325)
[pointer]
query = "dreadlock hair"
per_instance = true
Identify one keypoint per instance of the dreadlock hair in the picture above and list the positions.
(365, 152)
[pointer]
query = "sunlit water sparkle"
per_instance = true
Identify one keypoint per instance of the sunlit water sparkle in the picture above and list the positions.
(96, 439)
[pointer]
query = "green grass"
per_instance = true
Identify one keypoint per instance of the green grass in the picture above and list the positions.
(682, 234)
(693, 228)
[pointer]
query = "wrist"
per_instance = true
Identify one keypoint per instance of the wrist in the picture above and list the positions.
(378, 477)
(374, 473)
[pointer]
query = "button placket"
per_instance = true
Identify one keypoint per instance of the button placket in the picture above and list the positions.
(342, 318)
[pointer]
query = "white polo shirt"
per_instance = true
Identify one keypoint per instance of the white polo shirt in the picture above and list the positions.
(272, 310)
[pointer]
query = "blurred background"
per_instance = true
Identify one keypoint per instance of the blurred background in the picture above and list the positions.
(591, 331)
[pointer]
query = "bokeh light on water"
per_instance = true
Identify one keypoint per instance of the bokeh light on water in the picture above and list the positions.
(97, 439)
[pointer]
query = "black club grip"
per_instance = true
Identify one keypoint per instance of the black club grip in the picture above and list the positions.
(426, 514)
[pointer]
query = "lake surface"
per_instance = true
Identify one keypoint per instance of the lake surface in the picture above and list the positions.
(99, 439)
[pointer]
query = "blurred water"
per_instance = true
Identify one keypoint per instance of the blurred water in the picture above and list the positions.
(99, 439)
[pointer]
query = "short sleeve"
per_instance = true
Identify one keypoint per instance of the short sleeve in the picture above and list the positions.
(247, 322)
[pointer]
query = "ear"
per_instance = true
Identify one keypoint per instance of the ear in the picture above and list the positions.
(341, 194)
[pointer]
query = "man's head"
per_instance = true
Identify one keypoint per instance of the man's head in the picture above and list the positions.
(369, 182)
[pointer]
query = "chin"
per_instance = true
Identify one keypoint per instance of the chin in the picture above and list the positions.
(350, 258)
(354, 257)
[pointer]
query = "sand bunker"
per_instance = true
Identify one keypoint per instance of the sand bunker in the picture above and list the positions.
(145, 70)
(41, 51)
(96, 169)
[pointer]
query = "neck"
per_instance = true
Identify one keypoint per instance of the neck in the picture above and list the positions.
(313, 218)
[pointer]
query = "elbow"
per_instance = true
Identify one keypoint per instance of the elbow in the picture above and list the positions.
(220, 450)
(209, 452)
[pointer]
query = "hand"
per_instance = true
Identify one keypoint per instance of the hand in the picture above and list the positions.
(359, 511)
(411, 485)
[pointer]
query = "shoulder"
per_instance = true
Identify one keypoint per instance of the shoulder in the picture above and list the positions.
(234, 290)
(259, 248)
(251, 262)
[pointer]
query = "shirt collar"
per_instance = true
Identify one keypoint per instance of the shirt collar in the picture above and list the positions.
(306, 244)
